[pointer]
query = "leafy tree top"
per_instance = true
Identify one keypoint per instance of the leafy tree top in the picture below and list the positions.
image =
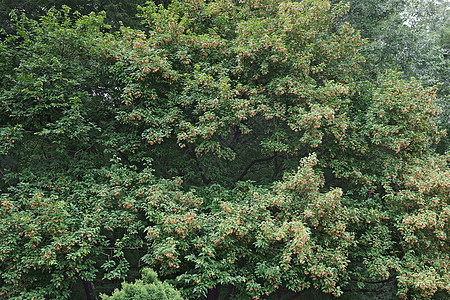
(229, 144)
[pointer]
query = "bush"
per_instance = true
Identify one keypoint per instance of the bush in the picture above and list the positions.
(149, 288)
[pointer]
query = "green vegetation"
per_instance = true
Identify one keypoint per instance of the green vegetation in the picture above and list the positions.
(241, 149)
(146, 289)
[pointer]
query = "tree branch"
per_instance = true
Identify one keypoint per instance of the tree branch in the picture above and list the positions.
(374, 282)
(382, 282)
(251, 165)
(191, 153)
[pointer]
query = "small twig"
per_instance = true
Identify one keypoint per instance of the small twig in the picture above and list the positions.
(93, 290)
(75, 155)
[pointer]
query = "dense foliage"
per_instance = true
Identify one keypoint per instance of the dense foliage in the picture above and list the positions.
(236, 147)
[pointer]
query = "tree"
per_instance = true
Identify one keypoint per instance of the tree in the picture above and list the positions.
(234, 147)
(53, 101)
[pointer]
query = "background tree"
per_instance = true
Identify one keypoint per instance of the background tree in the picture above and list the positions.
(408, 36)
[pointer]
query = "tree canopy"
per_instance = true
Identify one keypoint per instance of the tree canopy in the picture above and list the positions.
(238, 148)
